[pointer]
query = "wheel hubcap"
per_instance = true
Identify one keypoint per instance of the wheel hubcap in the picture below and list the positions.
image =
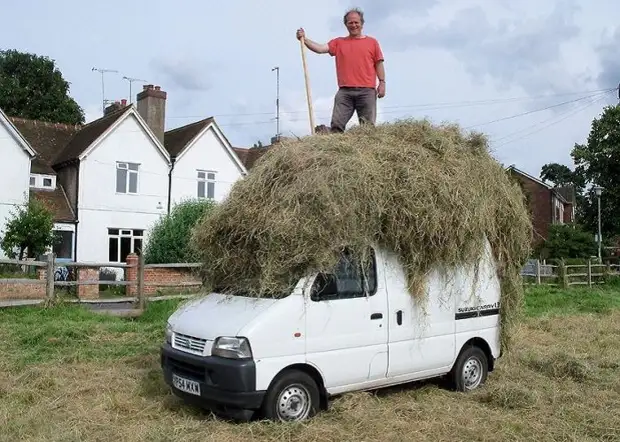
(472, 373)
(294, 403)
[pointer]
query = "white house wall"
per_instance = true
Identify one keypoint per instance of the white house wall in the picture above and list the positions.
(14, 177)
(101, 207)
(206, 154)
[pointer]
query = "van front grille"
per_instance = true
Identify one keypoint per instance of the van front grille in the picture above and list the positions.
(189, 343)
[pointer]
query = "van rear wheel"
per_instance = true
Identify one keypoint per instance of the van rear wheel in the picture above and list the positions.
(470, 370)
(294, 396)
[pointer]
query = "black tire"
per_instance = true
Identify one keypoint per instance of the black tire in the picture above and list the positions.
(470, 370)
(291, 389)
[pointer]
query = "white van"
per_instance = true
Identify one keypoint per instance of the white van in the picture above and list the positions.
(355, 330)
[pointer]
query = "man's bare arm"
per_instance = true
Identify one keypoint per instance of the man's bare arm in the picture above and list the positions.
(312, 45)
(380, 71)
(317, 47)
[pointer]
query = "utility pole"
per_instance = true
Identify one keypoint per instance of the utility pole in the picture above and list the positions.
(131, 80)
(277, 69)
(102, 72)
(597, 191)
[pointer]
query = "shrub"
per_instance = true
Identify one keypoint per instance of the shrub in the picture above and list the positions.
(568, 241)
(30, 230)
(169, 239)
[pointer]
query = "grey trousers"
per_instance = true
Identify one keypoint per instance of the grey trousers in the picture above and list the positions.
(348, 100)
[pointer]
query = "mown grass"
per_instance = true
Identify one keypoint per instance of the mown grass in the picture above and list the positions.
(68, 374)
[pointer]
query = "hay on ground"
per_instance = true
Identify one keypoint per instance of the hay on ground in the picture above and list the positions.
(427, 192)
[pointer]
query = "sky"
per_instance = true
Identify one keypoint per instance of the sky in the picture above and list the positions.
(526, 73)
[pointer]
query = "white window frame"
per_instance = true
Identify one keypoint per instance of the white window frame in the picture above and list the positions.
(132, 169)
(558, 211)
(205, 188)
(124, 233)
(39, 181)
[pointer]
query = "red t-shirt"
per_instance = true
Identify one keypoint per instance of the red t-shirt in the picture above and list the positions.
(355, 60)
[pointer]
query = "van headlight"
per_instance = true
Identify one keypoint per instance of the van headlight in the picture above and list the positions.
(232, 348)
(169, 333)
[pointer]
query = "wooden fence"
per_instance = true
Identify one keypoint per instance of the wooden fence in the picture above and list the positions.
(143, 280)
(87, 280)
(566, 275)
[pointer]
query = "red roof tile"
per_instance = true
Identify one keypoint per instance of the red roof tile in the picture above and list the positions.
(56, 201)
(175, 140)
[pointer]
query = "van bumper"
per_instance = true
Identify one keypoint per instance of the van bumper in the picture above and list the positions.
(227, 383)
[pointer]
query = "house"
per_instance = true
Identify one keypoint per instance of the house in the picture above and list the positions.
(17, 155)
(106, 182)
(43, 180)
(548, 205)
(204, 163)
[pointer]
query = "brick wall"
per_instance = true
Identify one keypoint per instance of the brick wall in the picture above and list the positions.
(539, 205)
(24, 291)
(168, 276)
(162, 278)
(88, 291)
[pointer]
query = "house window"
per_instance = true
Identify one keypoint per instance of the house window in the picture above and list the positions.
(122, 242)
(206, 184)
(63, 248)
(127, 177)
(558, 211)
(41, 181)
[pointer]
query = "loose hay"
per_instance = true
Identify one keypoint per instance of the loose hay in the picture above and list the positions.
(427, 192)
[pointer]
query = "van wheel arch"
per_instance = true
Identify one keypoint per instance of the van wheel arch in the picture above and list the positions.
(314, 374)
(482, 345)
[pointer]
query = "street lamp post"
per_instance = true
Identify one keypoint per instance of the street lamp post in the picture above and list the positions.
(598, 190)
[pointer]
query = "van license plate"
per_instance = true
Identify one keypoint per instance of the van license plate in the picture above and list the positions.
(191, 387)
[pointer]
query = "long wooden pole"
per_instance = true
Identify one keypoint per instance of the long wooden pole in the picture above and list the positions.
(308, 94)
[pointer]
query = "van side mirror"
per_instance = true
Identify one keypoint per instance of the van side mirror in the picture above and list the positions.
(324, 287)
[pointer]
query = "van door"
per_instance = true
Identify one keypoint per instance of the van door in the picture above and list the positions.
(421, 332)
(346, 323)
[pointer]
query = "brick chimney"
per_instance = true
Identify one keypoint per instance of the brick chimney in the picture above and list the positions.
(112, 108)
(115, 106)
(152, 107)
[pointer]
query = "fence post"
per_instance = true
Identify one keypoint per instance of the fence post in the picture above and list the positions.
(563, 274)
(589, 272)
(49, 277)
(141, 300)
(538, 271)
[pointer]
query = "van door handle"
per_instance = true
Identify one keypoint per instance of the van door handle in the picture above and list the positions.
(376, 316)
(399, 317)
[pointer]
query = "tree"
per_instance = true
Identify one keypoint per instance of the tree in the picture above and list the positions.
(169, 240)
(567, 241)
(598, 163)
(559, 174)
(30, 229)
(32, 87)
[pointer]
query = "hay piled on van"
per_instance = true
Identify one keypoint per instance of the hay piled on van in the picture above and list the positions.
(427, 192)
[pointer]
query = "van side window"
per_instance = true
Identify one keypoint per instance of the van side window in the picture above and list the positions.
(349, 279)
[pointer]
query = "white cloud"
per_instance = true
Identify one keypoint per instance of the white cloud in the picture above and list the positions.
(217, 58)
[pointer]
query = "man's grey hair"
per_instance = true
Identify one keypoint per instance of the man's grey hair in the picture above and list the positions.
(357, 11)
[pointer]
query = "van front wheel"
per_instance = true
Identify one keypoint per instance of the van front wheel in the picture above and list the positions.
(470, 370)
(294, 396)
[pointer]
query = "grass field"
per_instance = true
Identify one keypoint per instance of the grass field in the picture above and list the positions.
(67, 374)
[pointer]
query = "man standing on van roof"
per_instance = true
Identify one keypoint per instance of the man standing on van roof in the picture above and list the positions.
(359, 63)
